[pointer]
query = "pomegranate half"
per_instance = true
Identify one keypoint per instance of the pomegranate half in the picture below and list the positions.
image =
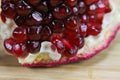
(55, 32)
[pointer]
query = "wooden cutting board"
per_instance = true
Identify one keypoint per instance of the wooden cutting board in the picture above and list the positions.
(104, 66)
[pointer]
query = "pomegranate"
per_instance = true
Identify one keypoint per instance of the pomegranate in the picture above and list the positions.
(54, 32)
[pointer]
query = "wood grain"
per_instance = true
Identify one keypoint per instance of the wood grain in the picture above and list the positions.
(104, 66)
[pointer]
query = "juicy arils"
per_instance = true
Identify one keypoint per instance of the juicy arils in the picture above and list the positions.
(65, 23)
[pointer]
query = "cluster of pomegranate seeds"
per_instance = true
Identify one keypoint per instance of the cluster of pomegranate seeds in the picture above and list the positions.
(63, 22)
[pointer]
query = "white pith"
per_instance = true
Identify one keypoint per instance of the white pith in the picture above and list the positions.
(92, 43)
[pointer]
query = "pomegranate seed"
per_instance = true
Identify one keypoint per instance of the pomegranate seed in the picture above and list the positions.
(19, 50)
(23, 8)
(42, 6)
(71, 22)
(20, 21)
(55, 2)
(83, 29)
(3, 18)
(33, 46)
(8, 44)
(84, 18)
(93, 29)
(72, 50)
(69, 34)
(106, 2)
(34, 19)
(90, 2)
(47, 19)
(71, 2)
(92, 9)
(8, 10)
(57, 26)
(82, 7)
(78, 41)
(5, 1)
(57, 41)
(34, 32)
(75, 10)
(15, 48)
(61, 12)
(20, 34)
(46, 33)
(33, 2)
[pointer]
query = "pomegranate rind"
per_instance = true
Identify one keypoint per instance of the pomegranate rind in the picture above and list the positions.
(77, 58)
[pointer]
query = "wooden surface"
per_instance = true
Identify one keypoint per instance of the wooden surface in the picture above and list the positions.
(104, 66)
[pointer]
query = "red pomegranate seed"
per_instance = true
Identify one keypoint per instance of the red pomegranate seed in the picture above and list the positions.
(78, 41)
(70, 49)
(83, 29)
(93, 29)
(20, 34)
(92, 9)
(57, 26)
(72, 23)
(69, 34)
(61, 12)
(19, 50)
(84, 18)
(34, 32)
(106, 2)
(55, 2)
(3, 18)
(20, 21)
(82, 7)
(5, 1)
(23, 8)
(15, 48)
(9, 10)
(35, 18)
(46, 33)
(33, 46)
(88, 2)
(74, 10)
(33, 2)
(47, 19)
(42, 6)
(67, 44)
(71, 2)
(100, 17)
(93, 18)
(8, 44)
(56, 40)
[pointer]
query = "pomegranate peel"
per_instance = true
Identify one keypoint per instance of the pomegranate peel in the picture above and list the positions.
(78, 57)
(48, 54)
